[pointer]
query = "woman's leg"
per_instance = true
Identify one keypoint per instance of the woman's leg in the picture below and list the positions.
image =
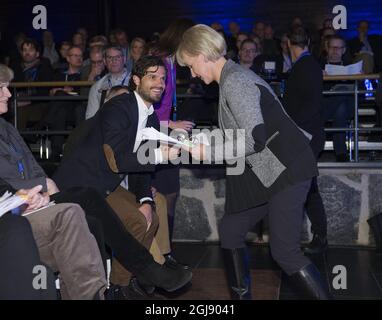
(285, 218)
(232, 231)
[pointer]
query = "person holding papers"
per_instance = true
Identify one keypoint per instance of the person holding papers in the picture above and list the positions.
(338, 108)
(19, 255)
(278, 165)
(112, 149)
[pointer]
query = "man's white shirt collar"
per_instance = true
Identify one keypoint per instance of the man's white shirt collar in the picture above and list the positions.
(142, 106)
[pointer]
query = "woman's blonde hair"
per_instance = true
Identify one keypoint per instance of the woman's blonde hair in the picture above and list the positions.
(201, 39)
(6, 74)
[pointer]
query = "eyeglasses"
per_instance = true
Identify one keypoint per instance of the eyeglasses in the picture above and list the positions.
(336, 48)
(113, 58)
(97, 62)
(76, 55)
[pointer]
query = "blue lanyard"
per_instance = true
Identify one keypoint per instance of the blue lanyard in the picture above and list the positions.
(173, 81)
(20, 165)
(122, 83)
(305, 53)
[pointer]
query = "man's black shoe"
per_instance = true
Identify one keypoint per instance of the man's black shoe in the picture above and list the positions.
(164, 277)
(137, 292)
(173, 264)
(319, 244)
(116, 292)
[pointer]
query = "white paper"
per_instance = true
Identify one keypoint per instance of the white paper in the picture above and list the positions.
(334, 70)
(52, 203)
(9, 202)
(153, 134)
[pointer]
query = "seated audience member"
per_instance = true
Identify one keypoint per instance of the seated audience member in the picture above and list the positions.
(258, 30)
(320, 51)
(137, 47)
(118, 121)
(79, 41)
(33, 68)
(19, 256)
(49, 47)
(285, 55)
(96, 70)
(62, 63)
(61, 111)
(84, 33)
(367, 48)
(117, 75)
(337, 108)
(234, 30)
(270, 45)
(247, 55)
(65, 245)
(99, 40)
(126, 249)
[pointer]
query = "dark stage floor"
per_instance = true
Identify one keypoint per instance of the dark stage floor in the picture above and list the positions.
(363, 266)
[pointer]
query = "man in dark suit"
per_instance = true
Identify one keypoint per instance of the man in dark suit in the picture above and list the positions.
(369, 44)
(303, 102)
(111, 149)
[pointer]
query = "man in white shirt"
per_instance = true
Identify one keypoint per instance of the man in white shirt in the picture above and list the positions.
(110, 151)
(118, 75)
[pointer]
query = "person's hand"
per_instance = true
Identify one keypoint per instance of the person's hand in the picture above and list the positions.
(35, 200)
(169, 153)
(324, 73)
(198, 152)
(51, 186)
(68, 89)
(147, 211)
(185, 125)
(154, 191)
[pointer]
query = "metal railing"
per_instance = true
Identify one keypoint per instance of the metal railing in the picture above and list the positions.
(353, 78)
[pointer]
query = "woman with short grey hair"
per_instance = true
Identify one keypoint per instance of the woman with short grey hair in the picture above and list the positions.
(279, 165)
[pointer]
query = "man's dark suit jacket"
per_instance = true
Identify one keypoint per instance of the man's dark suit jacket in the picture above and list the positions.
(355, 45)
(303, 99)
(103, 155)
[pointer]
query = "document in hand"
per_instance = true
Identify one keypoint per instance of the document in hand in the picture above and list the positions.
(153, 134)
(334, 70)
(9, 202)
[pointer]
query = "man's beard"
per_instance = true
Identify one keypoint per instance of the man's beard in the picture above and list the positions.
(145, 95)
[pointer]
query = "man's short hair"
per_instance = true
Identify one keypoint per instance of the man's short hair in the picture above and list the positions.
(141, 66)
(248, 41)
(74, 47)
(299, 37)
(336, 37)
(65, 43)
(112, 47)
(201, 39)
(33, 43)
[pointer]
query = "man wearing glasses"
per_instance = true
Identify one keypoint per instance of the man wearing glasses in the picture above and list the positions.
(117, 75)
(338, 108)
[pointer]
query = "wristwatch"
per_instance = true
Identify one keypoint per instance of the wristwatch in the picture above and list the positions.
(151, 203)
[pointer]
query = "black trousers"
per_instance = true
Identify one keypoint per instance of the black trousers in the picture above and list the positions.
(126, 249)
(314, 205)
(315, 210)
(18, 257)
(286, 214)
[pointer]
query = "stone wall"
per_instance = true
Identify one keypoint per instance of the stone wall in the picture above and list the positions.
(350, 197)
